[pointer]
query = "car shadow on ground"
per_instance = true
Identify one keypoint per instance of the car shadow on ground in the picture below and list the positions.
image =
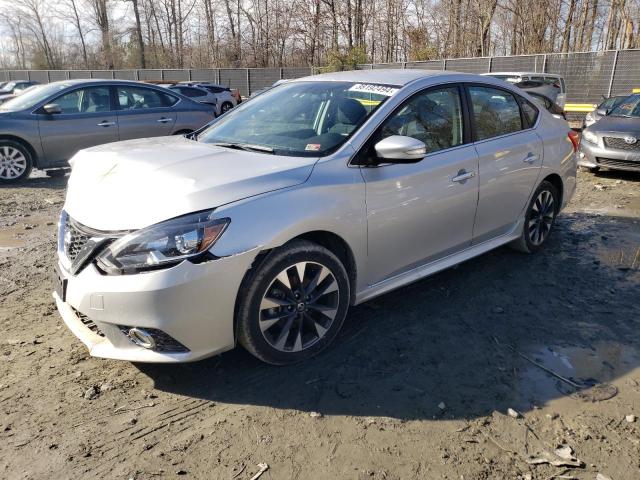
(618, 175)
(454, 337)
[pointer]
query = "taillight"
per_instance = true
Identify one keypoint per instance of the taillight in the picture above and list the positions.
(575, 139)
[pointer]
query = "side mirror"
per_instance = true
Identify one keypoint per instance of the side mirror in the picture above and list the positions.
(52, 109)
(400, 149)
(603, 112)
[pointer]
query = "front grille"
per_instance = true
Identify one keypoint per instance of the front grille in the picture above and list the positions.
(74, 239)
(164, 342)
(90, 324)
(623, 164)
(620, 144)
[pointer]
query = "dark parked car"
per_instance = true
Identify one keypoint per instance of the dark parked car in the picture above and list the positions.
(603, 110)
(46, 126)
(614, 141)
(549, 105)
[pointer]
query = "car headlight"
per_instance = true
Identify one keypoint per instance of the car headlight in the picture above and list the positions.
(164, 244)
(590, 136)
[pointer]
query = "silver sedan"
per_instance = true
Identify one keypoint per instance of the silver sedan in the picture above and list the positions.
(265, 227)
(45, 126)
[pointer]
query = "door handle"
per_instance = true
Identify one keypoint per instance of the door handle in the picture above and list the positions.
(531, 157)
(164, 120)
(104, 123)
(463, 176)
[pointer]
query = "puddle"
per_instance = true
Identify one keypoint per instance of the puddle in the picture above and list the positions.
(594, 366)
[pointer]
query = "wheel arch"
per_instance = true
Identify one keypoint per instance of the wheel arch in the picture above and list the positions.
(25, 144)
(555, 180)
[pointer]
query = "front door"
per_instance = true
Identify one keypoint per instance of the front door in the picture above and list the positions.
(144, 112)
(510, 156)
(420, 212)
(86, 119)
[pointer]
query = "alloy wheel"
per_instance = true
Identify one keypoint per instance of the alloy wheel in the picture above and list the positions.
(13, 163)
(541, 218)
(299, 306)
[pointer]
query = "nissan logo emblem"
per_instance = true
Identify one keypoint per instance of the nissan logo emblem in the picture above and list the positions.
(630, 140)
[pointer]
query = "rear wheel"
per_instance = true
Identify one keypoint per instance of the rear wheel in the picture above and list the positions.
(539, 218)
(294, 304)
(15, 161)
(225, 107)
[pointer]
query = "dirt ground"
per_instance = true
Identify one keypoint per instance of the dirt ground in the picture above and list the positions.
(418, 385)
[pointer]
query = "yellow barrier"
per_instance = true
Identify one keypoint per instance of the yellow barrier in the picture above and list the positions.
(635, 90)
(579, 107)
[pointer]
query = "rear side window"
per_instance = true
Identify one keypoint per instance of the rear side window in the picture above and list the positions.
(136, 98)
(495, 112)
(530, 112)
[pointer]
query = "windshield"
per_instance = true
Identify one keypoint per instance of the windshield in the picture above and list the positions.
(33, 96)
(299, 118)
(630, 107)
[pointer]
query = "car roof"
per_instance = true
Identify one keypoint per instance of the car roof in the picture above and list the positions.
(390, 76)
(539, 74)
(99, 81)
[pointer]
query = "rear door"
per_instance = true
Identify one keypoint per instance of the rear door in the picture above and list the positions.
(510, 157)
(417, 213)
(87, 118)
(144, 112)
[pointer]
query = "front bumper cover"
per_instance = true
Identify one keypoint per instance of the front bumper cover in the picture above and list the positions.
(193, 303)
(592, 155)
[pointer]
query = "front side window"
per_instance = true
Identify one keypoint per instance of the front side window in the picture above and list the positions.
(299, 118)
(137, 98)
(433, 117)
(84, 100)
(495, 112)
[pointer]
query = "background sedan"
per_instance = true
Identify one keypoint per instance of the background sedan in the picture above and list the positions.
(46, 126)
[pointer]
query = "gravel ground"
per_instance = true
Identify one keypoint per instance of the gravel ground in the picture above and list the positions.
(442, 379)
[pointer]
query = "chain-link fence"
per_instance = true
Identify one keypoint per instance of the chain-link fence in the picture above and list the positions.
(588, 76)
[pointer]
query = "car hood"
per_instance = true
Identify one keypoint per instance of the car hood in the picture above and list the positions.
(617, 124)
(133, 184)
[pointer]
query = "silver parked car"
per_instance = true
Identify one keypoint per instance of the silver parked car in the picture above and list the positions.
(197, 94)
(45, 126)
(322, 193)
(614, 141)
(225, 99)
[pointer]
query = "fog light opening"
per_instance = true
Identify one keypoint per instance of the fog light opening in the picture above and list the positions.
(142, 338)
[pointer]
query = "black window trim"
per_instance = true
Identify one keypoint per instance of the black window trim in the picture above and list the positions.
(467, 139)
(467, 85)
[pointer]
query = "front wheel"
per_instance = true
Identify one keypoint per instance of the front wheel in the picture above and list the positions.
(225, 107)
(539, 218)
(294, 304)
(15, 161)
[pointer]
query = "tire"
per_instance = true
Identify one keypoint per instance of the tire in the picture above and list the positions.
(280, 329)
(57, 173)
(16, 161)
(225, 107)
(537, 226)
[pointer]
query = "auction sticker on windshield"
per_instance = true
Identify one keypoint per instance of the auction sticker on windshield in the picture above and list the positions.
(385, 90)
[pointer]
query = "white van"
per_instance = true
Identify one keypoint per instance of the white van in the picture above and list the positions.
(547, 78)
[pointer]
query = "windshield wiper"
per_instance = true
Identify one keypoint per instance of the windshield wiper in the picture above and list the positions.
(246, 147)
